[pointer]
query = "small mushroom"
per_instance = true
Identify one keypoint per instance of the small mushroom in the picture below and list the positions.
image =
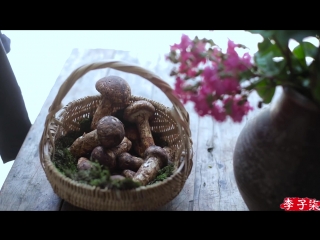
(107, 157)
(109, 133)
(84, 164)
(117, 177)
(139, 112)
(127, 161)
(115, 92)
(128, 173)
(155, 159)
(170, 153)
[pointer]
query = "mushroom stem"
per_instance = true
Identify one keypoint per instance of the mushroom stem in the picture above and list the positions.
(103, 109)
(128, 173)
(132, 134)
(156, 158)
(84, 144)
(124, 146)
(139, 113)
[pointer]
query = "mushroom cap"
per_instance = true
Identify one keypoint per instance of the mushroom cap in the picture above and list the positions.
(84, 164)
(139, 111)
(110, 131)
(117, 177)
(104, 157)
(158, 152)
(127, 161)
(115, 88)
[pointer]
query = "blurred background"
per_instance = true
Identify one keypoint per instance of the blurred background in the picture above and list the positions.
(37, 57)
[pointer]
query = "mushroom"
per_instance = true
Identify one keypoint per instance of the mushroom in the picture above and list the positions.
(170, 153)
(84, 164)
(109, 133)
(117, 177)
(155, 159)
(132, 134)
(128, 173)
(115, 92)
(127, 161)
(107, 157)
(139, 113)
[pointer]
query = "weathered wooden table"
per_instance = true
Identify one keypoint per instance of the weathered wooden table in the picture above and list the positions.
(211, 185)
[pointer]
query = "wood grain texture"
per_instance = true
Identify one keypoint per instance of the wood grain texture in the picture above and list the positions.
(211, 184)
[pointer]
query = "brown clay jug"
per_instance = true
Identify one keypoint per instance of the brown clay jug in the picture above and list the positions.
(277, 154)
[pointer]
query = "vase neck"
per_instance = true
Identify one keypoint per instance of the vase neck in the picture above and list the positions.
(292, 104)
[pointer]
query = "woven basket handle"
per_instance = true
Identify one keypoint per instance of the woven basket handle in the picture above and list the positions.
(178, 111)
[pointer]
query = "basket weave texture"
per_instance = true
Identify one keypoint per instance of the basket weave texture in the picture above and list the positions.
(171, 123)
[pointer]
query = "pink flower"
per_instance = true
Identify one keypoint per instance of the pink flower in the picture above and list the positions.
(231, 47)
(183, 45)
(235, 109)
(246, 62)
(218, 81)
(231, 85)
(218, 113)
(201, 104)
(192, 73)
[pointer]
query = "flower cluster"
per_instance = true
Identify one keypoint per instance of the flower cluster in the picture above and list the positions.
(210, 78)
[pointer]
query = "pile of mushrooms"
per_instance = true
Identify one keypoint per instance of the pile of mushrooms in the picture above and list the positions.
(110, 140)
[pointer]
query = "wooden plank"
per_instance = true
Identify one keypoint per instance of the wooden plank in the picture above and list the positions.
(215, 185)
(184, 201)
(26, 187)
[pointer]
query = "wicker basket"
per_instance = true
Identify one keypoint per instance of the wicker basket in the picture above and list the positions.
(171, 123)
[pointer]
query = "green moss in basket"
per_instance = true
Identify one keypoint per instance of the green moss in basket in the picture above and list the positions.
(124, 184)
(97, 176)
(62, 158)
(64, 161)
(163, 173)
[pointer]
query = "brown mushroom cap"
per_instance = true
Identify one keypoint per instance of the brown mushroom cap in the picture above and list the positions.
(139, 111)
(115, 88)
(117, 177)
(84, 164)
(110, 131)
(127, 161)
(104, 157)
(157, 152)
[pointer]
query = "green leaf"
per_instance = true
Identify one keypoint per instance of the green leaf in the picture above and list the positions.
(265, 90)
(298, 35)
(282, 37)
(305, 49)
(264, 58)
